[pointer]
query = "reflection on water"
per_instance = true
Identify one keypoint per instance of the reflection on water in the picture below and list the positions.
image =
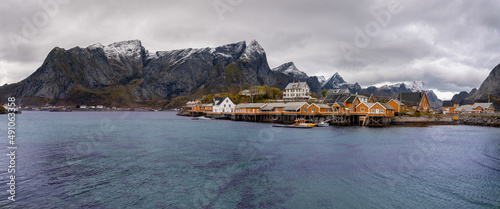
(158, 160)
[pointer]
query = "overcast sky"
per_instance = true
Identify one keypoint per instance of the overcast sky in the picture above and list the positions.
(450, 45)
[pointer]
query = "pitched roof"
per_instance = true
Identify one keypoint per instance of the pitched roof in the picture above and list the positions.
(333, 97)
(483, 105)
(219, 100)
(397, 102)
(368, 104)
(387, 106)
(298, 85)
(464, 107)
(340, 104)
(271, 106)
(337, 91)
(322, 105)
(448, 103)
(250, 105)
(343, 98)
(411, 98)
(351, 99)
(293, 106)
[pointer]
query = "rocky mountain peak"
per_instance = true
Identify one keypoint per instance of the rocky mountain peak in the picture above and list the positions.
(321, 80)
(335, 81)
(130, 48)
(418, 86)
(229, 50)
(290, 69)
(253, 50)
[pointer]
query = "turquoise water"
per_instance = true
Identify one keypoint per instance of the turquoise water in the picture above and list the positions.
(159, 160)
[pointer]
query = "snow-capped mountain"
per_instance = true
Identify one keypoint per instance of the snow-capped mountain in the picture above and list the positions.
(132, 48)
(418, 86)
(335, 81)
(393, 86)
(290, 69)
(128, 72)
(321, 80)
(253, 49)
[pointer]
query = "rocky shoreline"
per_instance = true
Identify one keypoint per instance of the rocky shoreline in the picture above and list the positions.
(423, 121)
(493, 120)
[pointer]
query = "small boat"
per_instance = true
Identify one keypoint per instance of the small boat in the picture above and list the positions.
(323, 124)
(201, 118)
(301, 123)
(291, 126)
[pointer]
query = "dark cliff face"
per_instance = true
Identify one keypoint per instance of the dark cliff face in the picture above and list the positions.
(126, 71)
(459, 97)
(490, 86)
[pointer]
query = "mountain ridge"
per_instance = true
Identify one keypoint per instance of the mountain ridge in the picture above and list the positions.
(125, 72)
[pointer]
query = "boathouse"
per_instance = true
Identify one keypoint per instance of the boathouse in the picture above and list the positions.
(415, 100)
(397, 105)
(449, 107)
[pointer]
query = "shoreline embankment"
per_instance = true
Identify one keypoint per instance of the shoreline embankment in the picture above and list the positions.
(480, 120)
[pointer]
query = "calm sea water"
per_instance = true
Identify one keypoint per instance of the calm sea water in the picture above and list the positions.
(159, 160)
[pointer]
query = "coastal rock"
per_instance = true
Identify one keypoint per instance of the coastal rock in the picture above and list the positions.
(480, 120)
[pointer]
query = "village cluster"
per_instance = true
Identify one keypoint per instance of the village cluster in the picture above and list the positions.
(337, 106)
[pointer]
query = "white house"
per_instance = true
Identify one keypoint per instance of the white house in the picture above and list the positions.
(298, 90)
(223, 105)
(245, 92)
(249, 93)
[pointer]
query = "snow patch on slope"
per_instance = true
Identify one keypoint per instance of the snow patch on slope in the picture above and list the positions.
(290, 69)
(132, 48)
(334, 81)
(418, 86)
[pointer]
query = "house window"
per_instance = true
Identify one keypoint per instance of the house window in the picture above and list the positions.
(229, 105)
(313, 109)
(224, 105)
(382, 110)
(362, 109)
(373, 110)
(305, 109)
